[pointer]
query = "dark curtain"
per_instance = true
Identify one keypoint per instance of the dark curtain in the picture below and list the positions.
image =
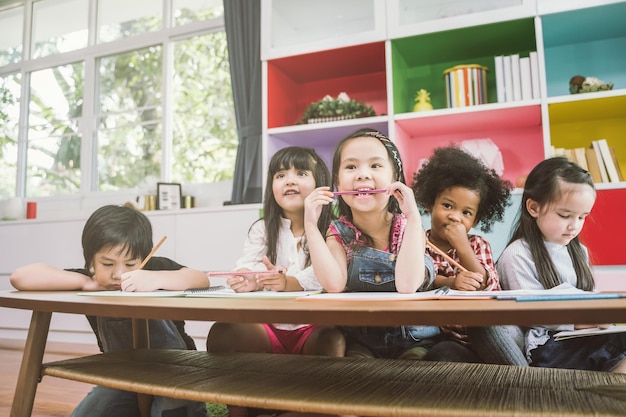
(242, 19)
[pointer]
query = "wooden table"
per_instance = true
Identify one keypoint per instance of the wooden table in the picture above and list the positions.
(379, 313)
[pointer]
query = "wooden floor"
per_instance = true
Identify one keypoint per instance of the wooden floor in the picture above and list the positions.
(55, 397)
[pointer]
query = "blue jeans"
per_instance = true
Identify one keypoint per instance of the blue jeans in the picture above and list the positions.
(116, 334)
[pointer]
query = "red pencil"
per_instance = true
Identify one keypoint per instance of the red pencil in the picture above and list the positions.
(360, 192)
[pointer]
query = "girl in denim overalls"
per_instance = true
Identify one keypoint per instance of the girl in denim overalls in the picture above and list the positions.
(376, 244)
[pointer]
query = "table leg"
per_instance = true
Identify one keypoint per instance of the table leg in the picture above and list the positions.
(141, 340)
(30, 369)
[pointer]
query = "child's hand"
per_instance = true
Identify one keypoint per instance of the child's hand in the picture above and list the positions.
(93, 285)
(274, 282)
(468, 281)
(139, 280)
(456, 234)
(240, 283)
(314, 202)
(406, 199)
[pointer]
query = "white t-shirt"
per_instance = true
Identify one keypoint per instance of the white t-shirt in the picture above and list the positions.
(289, 254)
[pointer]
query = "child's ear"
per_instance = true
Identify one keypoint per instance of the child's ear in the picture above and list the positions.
(532, 207)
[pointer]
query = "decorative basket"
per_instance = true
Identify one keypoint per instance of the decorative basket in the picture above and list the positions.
(466, 85)
(330, 109)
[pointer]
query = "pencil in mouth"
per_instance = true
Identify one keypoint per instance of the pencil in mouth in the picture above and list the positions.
(382, 190)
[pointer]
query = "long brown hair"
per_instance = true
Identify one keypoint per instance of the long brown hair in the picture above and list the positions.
(543, 186)
(299, 158)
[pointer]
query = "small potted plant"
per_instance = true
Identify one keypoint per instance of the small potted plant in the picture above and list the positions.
(330, 109)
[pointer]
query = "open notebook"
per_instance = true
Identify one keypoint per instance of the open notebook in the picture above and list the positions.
(209, 292)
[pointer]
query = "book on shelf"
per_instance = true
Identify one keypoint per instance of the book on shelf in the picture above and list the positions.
(499, 70)
(515, 77)
(581, 158)
(558, 151)
(570, 155)
(592, 165)
(607, 158)
(508, 78)
(617, 165)
(525, 78)
(603, 173)
(534, 74)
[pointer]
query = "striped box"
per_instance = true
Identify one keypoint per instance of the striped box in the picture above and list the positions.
(466, 85)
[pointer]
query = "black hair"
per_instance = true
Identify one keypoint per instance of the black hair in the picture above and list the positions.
(111, 226)
(543, 185)
(297, 157)
(453, 167)
(394, 157)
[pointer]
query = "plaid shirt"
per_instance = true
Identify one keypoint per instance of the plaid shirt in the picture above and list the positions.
(483, 253)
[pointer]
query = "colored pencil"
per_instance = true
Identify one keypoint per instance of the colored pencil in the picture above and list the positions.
(156, 247)
(360, 192)
(446, 257)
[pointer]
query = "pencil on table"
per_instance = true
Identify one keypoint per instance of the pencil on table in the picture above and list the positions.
(156, 247)
(446, 257)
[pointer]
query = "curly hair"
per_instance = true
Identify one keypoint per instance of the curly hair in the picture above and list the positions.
(453, 167)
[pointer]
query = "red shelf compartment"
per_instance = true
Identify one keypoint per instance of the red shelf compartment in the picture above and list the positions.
(293, 83)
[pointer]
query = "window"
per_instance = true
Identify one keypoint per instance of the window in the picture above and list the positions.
(119, 95)
(53, 138)
(11, 39)
(48, 36)
(9, 113)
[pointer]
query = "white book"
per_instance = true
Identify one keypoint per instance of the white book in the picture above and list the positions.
(499, 66)
(525, 78)
(581, 158)
(603, 173)
(611, 169)
(508, 78)
(534, 74)
(515, 78)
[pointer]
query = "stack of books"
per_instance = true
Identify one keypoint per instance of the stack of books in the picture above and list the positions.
(517, 78)
(599, 159)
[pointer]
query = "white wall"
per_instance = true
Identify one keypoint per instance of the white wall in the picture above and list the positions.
(202, 238)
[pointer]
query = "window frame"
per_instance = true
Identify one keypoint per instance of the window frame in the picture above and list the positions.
(90, 55)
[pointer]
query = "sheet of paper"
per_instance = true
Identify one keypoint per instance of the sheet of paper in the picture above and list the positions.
(159, 293)
(396, 296)
(437, 294)
(227, 292)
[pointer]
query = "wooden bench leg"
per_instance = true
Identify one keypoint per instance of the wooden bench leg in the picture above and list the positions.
(30, 369)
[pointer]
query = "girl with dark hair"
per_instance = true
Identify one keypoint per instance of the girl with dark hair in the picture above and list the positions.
(545, 252)
(376, 244)
(460, 192)
(115, 240)
(277, 242)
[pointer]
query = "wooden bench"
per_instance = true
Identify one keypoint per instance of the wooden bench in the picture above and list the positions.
(365, 387)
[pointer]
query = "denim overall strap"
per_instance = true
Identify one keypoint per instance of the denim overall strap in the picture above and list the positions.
(369, 269)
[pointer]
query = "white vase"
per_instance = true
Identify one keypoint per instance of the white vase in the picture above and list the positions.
(14, 208)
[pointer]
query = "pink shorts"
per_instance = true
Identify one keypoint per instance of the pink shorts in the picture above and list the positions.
(288, 341)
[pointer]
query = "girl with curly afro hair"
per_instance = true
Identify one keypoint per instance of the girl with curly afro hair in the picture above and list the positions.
(460, 192)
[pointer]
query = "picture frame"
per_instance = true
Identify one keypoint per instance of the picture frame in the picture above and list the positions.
(169, 196)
